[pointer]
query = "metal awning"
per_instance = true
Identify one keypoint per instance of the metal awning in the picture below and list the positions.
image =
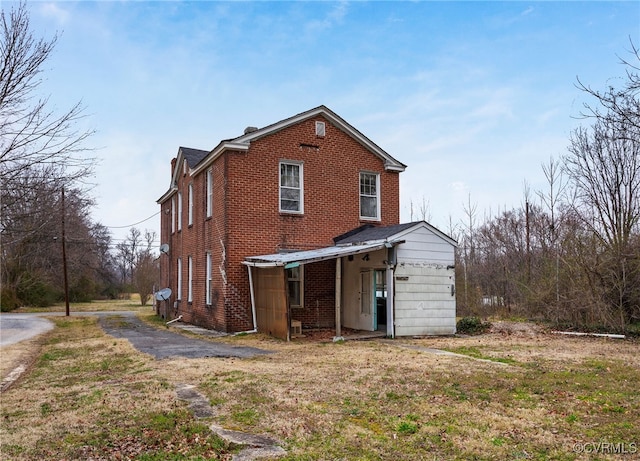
(296, 258)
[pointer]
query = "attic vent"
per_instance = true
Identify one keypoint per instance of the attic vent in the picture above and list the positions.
(320, 129)
(250, 129)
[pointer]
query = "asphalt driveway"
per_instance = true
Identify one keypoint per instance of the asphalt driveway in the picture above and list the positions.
(163, 344)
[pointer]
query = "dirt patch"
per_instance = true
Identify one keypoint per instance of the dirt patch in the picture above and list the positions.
(16, 360)
(528, 329)
(527, 342)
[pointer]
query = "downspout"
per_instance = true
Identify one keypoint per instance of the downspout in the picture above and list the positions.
(338, 296)
(179, 318)
(391, 292)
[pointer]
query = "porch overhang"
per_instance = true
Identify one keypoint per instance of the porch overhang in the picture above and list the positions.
(311, 256)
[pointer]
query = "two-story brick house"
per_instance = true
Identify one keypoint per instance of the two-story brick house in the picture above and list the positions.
(290, 188)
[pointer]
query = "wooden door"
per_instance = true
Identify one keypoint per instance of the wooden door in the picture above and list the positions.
(270, 294)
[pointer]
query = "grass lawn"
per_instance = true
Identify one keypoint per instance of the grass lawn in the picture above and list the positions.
(532, 396)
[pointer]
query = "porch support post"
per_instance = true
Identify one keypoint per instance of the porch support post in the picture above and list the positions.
(391, 292)
(338, 297)
(253, 299)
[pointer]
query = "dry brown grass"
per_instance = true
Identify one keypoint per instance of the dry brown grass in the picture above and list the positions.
(326, 401)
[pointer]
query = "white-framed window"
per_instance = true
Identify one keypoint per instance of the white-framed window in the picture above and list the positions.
(190, 210)
(369, 196)
(320, 129)
(179, 282)
(190, 278)
(295, 281)
(208, 281)
(291, 187)
(179, 211)
(209, 192)
(173, 214)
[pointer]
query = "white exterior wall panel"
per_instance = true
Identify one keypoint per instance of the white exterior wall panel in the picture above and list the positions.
(424, 304)
(422, 245)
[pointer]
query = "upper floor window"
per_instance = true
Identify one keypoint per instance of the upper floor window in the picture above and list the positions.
(291, 187)
(209, 192)
(173, 214)
(190, 211)
(370, 196)
(179, 211)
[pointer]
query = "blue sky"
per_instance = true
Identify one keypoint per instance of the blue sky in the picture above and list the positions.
(472, 96)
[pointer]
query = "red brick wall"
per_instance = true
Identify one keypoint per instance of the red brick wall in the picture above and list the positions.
(331, 174)
(319, 309)
(247, 220)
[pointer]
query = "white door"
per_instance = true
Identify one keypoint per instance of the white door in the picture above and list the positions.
(366, 317)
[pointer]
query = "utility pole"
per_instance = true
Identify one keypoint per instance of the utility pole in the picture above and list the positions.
(64, 259)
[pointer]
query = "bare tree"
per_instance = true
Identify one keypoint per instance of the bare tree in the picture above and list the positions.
(146, 275)
(551, 200)
(619, 104)
(422, 213)
(41, 151)
(603, 166)
(136, 261)
(31, 134)
(126, 254)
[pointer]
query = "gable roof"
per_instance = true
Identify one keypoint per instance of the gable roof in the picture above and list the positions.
(242, 143)
(395, 232)
(192, 156)
(185, 154)
(370, 232)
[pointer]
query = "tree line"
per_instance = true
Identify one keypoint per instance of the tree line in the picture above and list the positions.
(43, 155)
(571, 253)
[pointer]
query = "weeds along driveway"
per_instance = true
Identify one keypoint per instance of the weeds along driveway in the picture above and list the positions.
(163, 344)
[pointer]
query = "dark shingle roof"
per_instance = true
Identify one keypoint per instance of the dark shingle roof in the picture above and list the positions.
(369, 232)
(193, 156)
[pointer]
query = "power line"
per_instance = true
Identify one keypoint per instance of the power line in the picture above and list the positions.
(135, 223)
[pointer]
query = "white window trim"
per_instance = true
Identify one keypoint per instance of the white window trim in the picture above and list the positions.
(208, 281)
(301, 173)
(377, 196)
(209, 192)
(320, 129)
(179, 211)
(173, 214)
(179, 282)
(190, 275)
(301, 306)
(190, 211)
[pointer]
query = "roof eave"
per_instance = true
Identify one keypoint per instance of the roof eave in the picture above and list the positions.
(167, 195)
(217, 151)
(390, 163)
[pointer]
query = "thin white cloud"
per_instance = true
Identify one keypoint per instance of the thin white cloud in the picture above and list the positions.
(56, 11)
(335, 16)
(527, 11)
